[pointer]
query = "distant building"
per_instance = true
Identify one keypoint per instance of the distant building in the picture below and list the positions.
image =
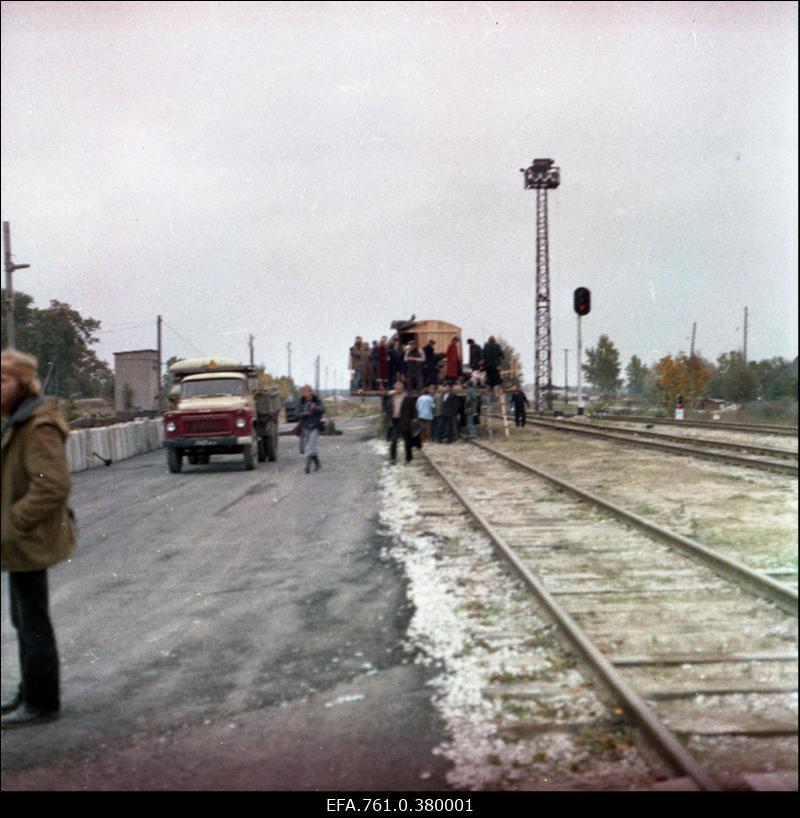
(136, 381)
(710, 404)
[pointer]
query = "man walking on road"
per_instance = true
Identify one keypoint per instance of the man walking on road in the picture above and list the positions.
(310, 411)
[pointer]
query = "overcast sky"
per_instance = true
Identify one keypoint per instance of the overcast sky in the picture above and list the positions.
(307, 172)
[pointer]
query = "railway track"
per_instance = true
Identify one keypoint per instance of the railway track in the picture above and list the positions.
(778, 460)
(719, 425)
(704, 668)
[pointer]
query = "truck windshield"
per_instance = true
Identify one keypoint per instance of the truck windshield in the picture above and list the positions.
(213, 386)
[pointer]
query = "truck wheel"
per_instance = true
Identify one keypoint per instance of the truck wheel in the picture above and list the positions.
(272, 447)
(249, 452)
(262, 449)
(203, 458)
(174, 460)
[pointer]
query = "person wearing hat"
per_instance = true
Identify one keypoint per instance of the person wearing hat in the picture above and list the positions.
(37, 532)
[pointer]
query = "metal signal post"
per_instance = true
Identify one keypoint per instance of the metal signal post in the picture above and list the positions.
(541, 176)
(582, 304)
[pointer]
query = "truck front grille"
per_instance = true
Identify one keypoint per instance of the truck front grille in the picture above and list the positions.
(206, 425)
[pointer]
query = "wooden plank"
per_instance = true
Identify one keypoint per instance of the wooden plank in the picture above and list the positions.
(727, 718)
(723, 690)
(621, 660)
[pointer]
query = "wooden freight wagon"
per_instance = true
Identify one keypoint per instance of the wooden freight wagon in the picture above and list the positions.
(423, 331)
(441, 332)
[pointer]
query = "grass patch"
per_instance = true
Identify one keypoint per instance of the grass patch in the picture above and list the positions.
(516, 709)
(513, 678)
(607, 743)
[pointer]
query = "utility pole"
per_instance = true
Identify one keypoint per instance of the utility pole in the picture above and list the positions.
(158, 365)
(289, 351)
(316, 375)
(566, 377)
(10, 267)
(251, 350)
(326, 377)
(745, 334)
(694, 330)
(541, 176)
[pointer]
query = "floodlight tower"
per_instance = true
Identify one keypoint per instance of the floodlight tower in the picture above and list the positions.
(541, 176)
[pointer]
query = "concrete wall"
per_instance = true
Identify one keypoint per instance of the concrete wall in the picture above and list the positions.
(118, 442)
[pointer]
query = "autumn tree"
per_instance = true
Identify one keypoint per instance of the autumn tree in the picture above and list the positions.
(602, 368)
(685, 375)
(61, 339)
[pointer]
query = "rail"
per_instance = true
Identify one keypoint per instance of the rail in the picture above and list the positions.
(634, 438)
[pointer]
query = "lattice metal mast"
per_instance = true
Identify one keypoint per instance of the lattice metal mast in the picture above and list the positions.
(541, 176)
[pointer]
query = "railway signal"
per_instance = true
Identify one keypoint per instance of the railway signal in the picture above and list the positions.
(582, 301)
(582, 304)
(679, 408)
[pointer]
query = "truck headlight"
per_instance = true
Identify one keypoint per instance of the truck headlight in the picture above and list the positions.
(171, 427)
(241, 423)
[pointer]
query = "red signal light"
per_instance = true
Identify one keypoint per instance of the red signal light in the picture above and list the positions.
(582, 301)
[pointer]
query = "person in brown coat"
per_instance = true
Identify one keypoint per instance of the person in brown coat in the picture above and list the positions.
(37, 532)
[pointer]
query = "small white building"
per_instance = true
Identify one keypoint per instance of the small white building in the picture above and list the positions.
(136, 381)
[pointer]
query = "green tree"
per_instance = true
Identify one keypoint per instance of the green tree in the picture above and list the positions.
(602, 368)
(61, 339)
(636, 373)
(777, 379)
(735, 380)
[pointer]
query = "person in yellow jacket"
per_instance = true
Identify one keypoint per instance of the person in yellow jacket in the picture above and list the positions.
(37, 532)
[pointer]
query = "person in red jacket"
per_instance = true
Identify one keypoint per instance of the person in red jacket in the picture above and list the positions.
(453, 370)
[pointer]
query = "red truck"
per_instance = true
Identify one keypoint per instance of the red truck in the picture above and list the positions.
(220, 406)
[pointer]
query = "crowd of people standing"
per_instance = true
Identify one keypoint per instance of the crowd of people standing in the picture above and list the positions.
(379, 365)
(430, 394)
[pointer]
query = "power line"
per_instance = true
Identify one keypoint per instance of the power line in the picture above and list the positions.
(186, 340)
(124, 328)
